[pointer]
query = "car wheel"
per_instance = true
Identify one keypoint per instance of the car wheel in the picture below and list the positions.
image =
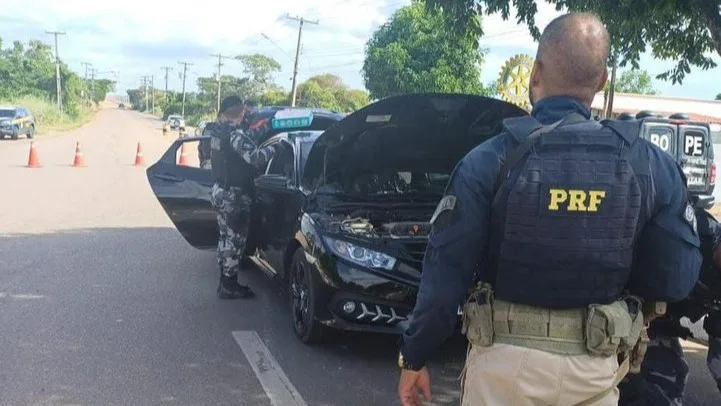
(31, 132)
(302, 300)
(16, 133)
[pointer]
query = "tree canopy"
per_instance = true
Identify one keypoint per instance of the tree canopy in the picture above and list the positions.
(323, 91)
(328, 91)
(634, 81)
(686, 31)
(415, 51)
(718, 96)
(30, 71)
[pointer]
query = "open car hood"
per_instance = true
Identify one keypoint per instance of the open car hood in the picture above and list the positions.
(427, 132)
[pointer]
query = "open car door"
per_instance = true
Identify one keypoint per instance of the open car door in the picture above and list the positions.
(184, 193)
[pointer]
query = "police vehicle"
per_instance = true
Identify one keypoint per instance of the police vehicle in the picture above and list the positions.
(690, 144)
(16, 120)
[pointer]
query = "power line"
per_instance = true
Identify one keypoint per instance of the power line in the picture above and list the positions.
(220, 63)
(301, 20)
(185, 71)
(57, 68)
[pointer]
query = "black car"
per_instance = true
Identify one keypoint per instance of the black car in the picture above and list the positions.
(342, 215)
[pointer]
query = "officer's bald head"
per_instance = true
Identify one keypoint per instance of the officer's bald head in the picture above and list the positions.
(571, 58)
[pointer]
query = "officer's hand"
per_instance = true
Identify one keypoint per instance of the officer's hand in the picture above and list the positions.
(409, 385)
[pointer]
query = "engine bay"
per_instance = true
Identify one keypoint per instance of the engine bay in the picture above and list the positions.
(382, 223)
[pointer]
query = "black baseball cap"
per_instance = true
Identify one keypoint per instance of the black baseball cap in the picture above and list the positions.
(230, 102)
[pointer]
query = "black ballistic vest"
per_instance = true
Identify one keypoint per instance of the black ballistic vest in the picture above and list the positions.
(229, 169)
(564, 229)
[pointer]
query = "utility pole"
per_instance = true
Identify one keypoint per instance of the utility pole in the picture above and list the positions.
(57, 68)
(301, 20)
(87, 65)
(185, 72)
(166, 69)
(91, 95)
(220, 63)
(152, 92)
(144, 80)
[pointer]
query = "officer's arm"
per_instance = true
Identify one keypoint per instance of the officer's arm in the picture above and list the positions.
(668, 257)
(455, 247)
(259, 157)
(245, 146)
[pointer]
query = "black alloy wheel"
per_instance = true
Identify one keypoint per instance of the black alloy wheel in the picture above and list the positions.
(31, 132)
(302, 300)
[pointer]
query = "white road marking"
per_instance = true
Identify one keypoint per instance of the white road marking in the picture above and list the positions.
(278, 387)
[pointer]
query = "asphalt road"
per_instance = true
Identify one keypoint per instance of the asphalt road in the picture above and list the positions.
(103, 303)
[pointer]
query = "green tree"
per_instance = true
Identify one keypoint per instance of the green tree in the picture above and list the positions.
(30, 71)
(259, 70)
(328, 91)
(417, 52)
(718, 96)
(633, 81)
(685, 31)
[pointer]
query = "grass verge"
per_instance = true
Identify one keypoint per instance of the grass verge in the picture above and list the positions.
(48, 118)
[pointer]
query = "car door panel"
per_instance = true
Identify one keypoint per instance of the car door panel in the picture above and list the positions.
(184, 194)
(280, 209)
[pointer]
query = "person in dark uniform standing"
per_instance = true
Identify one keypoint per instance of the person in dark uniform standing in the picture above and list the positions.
(664, 372)
(557, 217)
(235, 160)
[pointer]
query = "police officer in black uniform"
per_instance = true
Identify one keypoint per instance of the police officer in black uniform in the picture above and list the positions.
(563, 214)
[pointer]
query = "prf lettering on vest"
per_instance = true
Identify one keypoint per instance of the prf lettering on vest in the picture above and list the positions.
(576, 199)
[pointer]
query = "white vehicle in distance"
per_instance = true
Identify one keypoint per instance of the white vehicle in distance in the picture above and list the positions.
(176, 122)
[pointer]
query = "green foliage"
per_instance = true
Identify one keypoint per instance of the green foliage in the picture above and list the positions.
(325, 91)
(718, 96)
(328, 91)
(27, 78)
(680, 30)
(417, 52)
(633, 81)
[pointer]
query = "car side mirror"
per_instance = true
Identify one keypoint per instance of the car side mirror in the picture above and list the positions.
(272, 181)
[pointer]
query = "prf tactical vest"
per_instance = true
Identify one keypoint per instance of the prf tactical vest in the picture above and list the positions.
(566, 213)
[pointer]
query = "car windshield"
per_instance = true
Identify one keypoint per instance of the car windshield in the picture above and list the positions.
(7, 113)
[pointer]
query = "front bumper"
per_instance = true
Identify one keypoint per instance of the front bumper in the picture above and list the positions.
(355, 299)
(8, 130)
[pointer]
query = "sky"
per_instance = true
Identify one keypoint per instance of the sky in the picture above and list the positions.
(136, 38)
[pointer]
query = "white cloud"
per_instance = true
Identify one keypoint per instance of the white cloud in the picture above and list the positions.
(138, 37)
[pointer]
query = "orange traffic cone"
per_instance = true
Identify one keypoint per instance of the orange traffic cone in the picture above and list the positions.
(33, 160)
(139, 160)
(183, 156)
(79, 160)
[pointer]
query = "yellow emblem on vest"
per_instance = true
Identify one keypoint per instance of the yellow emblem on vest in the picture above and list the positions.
(576, 199)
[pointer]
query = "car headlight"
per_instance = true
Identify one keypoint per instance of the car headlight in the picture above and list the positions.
(360, 255)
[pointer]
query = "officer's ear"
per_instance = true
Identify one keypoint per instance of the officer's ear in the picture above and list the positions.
(604, 79)
(535, 78)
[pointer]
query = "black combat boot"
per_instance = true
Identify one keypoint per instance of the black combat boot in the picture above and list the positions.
(229, 288)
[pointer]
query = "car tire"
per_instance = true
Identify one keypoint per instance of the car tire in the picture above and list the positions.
(16, 133)
(31, 132)
(301, 298)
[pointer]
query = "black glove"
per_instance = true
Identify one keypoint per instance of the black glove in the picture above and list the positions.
(712, 324)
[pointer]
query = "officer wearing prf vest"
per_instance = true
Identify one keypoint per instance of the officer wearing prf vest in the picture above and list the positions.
(235, 161)
(552, 233)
